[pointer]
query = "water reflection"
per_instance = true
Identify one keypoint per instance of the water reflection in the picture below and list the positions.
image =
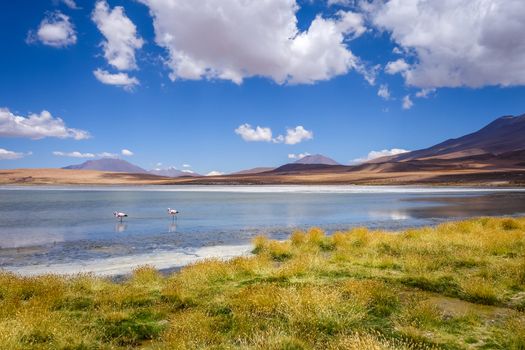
(172, 227)
(121, 227)
(467, 206)
(395, 215)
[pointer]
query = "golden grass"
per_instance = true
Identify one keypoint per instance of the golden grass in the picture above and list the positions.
(459, 285)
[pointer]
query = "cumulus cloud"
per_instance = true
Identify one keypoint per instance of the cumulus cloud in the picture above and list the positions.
(236, 39)
(118, 79)
(456, 43)
(378, 154)
(214, 173)
(55, 30)
(264, 134)
(397, 66)
(248, 133)
(9, 155)
(37, 126)
(297, 135)
(74, 154)
(383, 92)
(298, 156)
(120, 34)
(407, 102)
(126, 152)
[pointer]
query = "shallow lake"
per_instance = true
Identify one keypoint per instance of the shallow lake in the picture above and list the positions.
(72, 229)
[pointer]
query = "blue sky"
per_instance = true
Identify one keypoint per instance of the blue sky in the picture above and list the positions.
(180, 101)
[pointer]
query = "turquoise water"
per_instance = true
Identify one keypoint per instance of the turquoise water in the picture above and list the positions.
(49, 226)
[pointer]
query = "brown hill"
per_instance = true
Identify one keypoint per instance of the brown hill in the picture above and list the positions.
(257, 170)
(505, 134)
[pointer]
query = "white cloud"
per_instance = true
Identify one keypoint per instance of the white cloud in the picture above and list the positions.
(297, 135)
(107, 155)
(9, 155)
(186, 165)
(37, 126)
(236, 39)
(120, 33)
(369, 73)
(188, 171)
(126, 152)
(118, 79)
(264, 134)
(407, 102)
(384, 92)
(456, 43)
(248, 133)
(339, 2)
(55, 30)
(74, 154)
(214, 173)
(397, 51)
(71, 4)
(298, 156)
(424, 93)
(397, 66)
(378, 154)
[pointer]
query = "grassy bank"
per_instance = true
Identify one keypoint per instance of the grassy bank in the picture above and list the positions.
(459, 285)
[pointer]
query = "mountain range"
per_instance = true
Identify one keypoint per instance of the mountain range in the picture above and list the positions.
(121, 166)
(493, 154)
(303, 163)
(503, 135)
(173, 172)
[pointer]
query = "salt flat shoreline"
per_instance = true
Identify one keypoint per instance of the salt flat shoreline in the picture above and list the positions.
(268, 188)
(123, 265)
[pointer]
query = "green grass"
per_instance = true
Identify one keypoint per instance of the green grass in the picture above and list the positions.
(459, 285)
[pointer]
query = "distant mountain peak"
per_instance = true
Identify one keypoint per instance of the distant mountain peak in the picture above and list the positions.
(173, 172)
(316, 159)
(108, 164)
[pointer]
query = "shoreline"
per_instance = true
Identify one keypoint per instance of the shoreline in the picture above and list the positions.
(271, 188)
(511, 177)
(124, 265)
